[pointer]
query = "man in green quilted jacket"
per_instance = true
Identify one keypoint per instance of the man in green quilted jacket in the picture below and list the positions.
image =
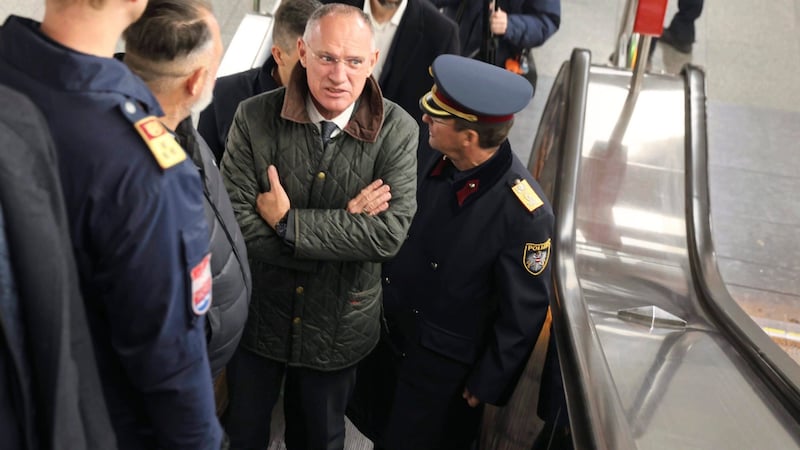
(308, 169)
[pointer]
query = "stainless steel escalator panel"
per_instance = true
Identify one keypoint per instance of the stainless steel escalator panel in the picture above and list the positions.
(678, 388)
(687, 389)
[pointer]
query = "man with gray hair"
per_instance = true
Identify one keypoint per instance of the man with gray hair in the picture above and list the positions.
(289, 24)
(176, 48)
(294, 158)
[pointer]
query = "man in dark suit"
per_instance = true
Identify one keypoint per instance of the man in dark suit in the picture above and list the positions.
(290, 22)
(420, 34)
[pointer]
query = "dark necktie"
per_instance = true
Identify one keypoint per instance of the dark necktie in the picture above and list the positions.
(327, 129)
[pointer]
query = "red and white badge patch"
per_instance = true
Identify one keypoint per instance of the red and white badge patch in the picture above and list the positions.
(201, 286)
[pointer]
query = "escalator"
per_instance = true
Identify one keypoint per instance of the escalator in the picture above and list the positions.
(654, 352)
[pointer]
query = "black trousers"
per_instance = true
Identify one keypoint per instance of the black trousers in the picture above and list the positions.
(314, 403)
(427, 411)
(682, 24)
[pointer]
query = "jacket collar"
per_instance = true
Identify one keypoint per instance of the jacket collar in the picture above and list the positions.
(366, 121)
(471, 184)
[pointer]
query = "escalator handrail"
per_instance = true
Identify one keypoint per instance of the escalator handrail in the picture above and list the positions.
(596, 415)
(776, 367)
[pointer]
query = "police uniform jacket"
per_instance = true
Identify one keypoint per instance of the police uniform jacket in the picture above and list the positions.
(229, 268)
(472, 281)
(50, 394)
(317, 304)
(229, 91)
(139, 236)
(530, 24)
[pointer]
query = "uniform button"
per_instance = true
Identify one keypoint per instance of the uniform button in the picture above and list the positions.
(299, 290)
(434, 265)
(402, 354)
(321, 175)
(471, 185)
(130, 108)
(415, 311)
(296, 321)
(386, 280)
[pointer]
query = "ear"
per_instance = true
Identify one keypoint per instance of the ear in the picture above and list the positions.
(373, 59)
(196, 80)
(302, 52)
(470, 137)
(277, 55)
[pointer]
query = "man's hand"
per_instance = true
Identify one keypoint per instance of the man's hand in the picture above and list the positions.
(472, 401)
(274, 204)
(498, 22)
(372, 200)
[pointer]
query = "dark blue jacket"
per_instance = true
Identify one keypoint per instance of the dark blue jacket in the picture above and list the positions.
(530, 24)
(216, 119)
(464, 302)
(51, 395)
(139, 236)
(461, 285)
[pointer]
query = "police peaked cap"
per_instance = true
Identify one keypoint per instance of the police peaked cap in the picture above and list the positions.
(474, 91)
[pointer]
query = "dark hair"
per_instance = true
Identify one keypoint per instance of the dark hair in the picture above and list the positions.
(340, 9)
(489, 134)
(290, 22)
(168, 30)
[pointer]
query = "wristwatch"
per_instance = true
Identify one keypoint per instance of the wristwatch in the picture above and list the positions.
(281, 226)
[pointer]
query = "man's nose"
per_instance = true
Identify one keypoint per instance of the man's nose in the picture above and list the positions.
(338, 72)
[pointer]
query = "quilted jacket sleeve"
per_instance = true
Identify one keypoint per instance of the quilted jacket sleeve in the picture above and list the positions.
(239, 172)
(335, 234)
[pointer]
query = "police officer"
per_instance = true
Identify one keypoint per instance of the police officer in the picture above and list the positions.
(134, 205)
(467, 294)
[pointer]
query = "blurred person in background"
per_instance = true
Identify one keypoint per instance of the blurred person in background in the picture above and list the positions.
(289, 24)
(50, 392)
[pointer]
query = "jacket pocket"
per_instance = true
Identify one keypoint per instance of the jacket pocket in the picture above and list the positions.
(446, 343)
